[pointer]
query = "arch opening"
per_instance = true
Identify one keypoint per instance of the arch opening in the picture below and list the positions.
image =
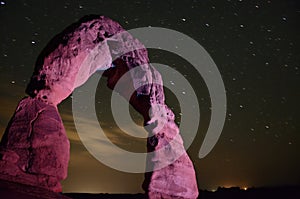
(35, 148)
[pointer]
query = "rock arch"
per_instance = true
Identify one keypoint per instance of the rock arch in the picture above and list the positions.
(35, 149)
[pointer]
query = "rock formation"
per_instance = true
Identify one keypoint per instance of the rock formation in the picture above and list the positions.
(35, 150)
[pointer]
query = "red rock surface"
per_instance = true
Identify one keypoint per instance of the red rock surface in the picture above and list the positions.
(177, 179)
(35, 150)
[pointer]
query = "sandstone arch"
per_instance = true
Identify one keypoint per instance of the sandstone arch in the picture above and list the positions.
(35, 149)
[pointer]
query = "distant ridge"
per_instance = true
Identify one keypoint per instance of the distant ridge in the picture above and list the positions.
(289, 192)
(11, 190)
(105, 196)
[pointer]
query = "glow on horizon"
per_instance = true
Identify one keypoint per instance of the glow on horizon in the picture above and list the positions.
(227, 186)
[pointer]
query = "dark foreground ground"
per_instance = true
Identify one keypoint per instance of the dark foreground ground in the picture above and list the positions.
(221, 193)
(9, 190)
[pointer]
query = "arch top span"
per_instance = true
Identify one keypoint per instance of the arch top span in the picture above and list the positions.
(72, 56)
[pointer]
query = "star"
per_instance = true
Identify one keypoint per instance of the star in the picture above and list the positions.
(267, 127)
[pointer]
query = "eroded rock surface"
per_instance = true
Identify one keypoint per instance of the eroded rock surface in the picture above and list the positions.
(34, 148)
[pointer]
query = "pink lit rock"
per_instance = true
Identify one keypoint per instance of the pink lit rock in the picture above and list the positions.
(35, 149)
(79, 51)
(177, 179)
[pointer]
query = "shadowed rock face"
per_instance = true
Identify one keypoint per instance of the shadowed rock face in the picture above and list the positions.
(35, 149)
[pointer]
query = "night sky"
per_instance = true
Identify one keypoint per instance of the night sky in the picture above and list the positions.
(255, 45)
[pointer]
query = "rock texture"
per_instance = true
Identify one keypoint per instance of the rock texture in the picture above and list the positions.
(35, 149)
(173, 173)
